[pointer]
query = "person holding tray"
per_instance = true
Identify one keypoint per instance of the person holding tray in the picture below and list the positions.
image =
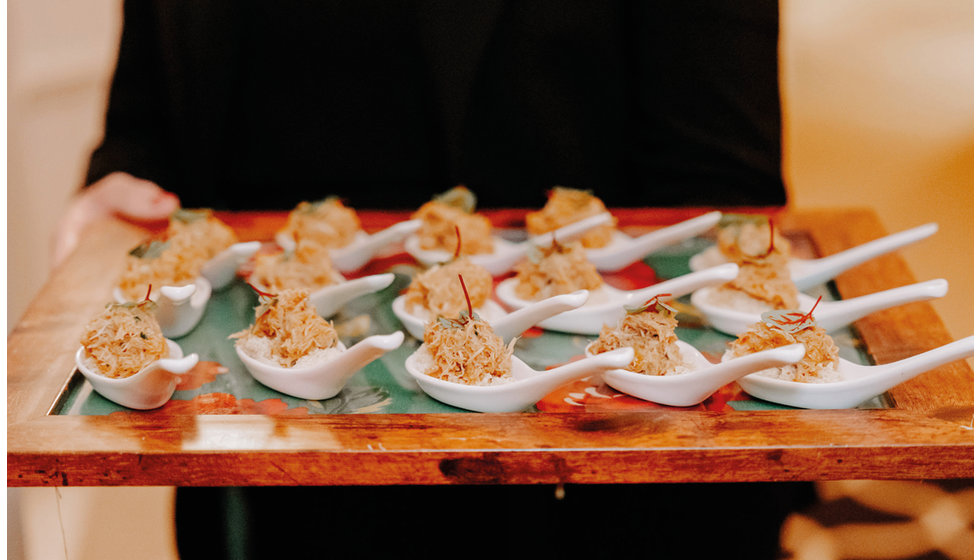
(234, 107)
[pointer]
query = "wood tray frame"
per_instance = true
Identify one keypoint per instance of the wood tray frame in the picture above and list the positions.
(929, 434)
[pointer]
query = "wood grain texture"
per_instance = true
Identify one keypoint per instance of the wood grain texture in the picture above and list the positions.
(929, 434)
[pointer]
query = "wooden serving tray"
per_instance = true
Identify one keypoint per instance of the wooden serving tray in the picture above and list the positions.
(926, 432)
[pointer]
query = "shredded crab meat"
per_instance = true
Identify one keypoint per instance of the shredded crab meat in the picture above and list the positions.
(437, 290)
(555, 270)
(328, 223)
(651, 335)
(193, 237)
(469, 353)
(307, 267)
(565, 206)
(818, 364)
(438, 231)
(290, 324)
(739, 242)
(124, 339)
(767, 280)
(200, 229)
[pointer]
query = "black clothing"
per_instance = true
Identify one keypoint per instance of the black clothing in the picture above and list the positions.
(261, 105)
(238, 105)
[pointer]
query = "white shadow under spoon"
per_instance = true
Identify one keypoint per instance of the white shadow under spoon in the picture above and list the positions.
(505, 253)
(859, 383)
(702, 379)
(324, 379)
(830, 315)
(624, 250)
(808, 273)
(527, 387)
(179, 308)
(150, 387)
(605, 305)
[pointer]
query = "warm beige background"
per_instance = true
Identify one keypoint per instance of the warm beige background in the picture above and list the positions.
(879, 112)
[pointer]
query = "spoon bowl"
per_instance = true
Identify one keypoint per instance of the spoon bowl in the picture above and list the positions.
(505, 253)
(807, 273)
(179, 308)
(150, 387)
(527, 387)
(858, 384)
(831, 315)
(324, 379)
(605, 305)
(222, 268)
(702, 379)
(363, 248)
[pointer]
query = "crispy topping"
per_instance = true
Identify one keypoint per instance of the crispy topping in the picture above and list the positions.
(307, 267)
(558, 269)
(326, 222)
(442, 216)
(821, 358)
(437, 292)
(124, 339)
(649, 330)
(566, 206)
(290, 327)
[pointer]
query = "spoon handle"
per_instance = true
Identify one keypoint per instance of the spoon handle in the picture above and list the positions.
(364, 352)
(614, 359)
(906, 369)
(643, 245)
(516, 322)
(729, 370)
(330, 299)
(840, 313)
(572, 231)
(683, 285)
(357, 254)
(818, 271)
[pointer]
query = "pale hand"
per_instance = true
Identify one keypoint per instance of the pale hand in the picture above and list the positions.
(117, 194)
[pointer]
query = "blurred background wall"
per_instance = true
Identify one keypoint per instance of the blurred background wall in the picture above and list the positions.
(879, 112)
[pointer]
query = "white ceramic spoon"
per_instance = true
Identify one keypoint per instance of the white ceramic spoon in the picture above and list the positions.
(365, 246)
(329, 299)
(179, 308)
(505, 325)
(830, 315)
(808, 273)
(527, 387)
(148, 388)
(605, 305)
(624, 250)
(702, 380)
(325, 379)
(859, 383)
(505, 253)
(221, 269)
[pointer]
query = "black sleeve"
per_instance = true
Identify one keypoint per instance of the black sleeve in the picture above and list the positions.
(707, 127)
(136, 124)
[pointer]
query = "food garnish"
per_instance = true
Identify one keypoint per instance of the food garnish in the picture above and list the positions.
(124, 338)
(465, 349)
(444, 213)
(325, 222)
(819, 363)
(649, 330)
